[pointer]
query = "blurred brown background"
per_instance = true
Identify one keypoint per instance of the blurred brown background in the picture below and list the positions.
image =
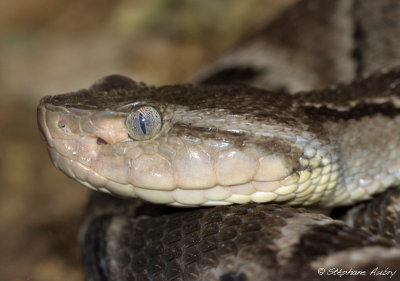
(56, 46)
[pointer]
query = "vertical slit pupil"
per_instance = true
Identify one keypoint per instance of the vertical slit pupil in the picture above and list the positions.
(142, 120)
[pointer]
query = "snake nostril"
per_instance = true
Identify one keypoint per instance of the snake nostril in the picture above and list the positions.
(61, 124)
(101, 141)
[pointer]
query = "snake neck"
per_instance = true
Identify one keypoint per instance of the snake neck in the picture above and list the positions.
(362, 123)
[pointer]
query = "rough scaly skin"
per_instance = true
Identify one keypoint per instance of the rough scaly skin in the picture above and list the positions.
(312, 45)
(135, 240)
(296, 63)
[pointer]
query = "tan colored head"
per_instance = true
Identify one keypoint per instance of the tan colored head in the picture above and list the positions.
(183, 145)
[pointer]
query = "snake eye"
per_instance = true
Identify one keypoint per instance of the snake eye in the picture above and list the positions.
(143, 122)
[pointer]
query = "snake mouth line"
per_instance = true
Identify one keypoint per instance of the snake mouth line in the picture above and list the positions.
(217, 195)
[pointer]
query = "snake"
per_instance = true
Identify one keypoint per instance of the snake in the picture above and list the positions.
(224, 179)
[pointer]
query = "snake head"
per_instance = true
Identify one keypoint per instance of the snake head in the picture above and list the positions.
(183, 145)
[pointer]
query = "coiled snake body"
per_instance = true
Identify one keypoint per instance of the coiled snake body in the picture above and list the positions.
(212, 145)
